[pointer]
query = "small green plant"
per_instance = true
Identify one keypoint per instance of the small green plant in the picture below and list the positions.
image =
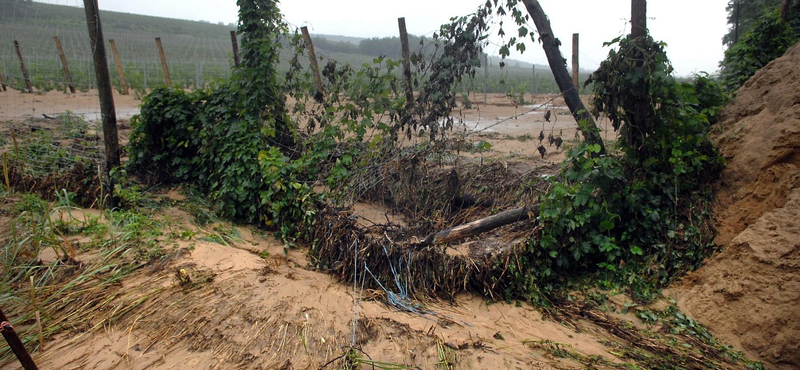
(482, 147)
(447, 357)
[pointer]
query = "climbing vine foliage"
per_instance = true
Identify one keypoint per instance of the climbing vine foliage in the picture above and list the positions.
(223, 139)
(260, 158)
(642, 216)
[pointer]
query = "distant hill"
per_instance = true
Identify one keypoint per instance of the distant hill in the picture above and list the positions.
(338, 38)
(49, 15)
(196, 52)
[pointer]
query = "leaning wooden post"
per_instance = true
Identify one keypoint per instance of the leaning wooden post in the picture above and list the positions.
(406, 61)
(22, 66)
(575, 66)
(235, 44)
(638, 18)
(312, 56)
(163, 62)
(558, 64)
(107, 110)
(120, 72)
(64, 65)
(15, 344)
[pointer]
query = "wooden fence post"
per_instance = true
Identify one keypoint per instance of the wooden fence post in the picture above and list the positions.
(22, 66)
(120, 72)
(312, 56)
(638, 18)
(401, 22)
(235, 44)
(575, 66)
(485, 77)
(198, 74)
(533, 89)
(107, 110)
(163, 62)
(64, 65)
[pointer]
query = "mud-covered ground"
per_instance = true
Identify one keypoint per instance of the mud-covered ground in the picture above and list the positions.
(252, 306)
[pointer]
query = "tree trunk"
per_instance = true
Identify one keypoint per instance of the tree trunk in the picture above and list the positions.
(559, 66)
(479, 226)
(788, 7)
(107, 110)
(638, 18)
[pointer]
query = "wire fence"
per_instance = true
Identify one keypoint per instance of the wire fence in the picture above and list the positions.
(193, 60)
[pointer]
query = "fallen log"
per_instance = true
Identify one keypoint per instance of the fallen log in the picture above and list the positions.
(480, 226)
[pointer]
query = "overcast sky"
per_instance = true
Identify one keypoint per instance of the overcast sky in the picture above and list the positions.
(692, 29)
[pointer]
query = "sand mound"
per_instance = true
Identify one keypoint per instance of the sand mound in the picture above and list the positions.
(749, 294)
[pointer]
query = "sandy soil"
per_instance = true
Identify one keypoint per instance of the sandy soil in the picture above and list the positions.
(253, 307)
(15, 106)
(749, 294)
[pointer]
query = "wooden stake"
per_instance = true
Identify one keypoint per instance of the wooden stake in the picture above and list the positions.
(485, 78)
(107, 110)
(312, 56)
(120, 72)
(533, 89)
(575, 66)
(406, 61)
(16, 345)
(22, 66)
(198, 75)
(235, 44)
(64, 65)
(558, 64)
(638, 18)
(163, 62)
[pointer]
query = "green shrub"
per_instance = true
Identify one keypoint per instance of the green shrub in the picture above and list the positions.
(641, 217)
(768, 40)
(165, 141)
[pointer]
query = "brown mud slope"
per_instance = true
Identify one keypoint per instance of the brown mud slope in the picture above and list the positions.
(749, 295)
